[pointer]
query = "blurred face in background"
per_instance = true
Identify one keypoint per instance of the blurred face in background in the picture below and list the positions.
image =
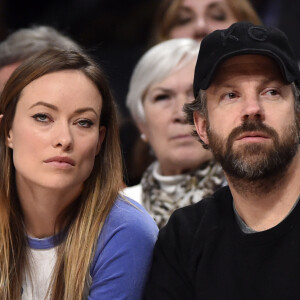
(5, 73)
(165, 128)
(198, 18)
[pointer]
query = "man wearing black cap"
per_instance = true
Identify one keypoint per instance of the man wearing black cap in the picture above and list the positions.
(244, 241)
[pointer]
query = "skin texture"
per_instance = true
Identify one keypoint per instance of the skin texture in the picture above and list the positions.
(250, 88)
(165, 128)
(58, 115)
(197, 18)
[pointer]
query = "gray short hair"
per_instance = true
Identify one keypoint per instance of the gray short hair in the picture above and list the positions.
(198, 105)
(296, 91)
(154, 66)
(25, 42)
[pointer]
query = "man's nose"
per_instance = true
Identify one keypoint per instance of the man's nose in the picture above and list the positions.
(252, 108)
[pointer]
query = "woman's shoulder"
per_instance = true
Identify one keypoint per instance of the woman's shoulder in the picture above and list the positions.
(134, 192)
(129, 218)
(124, 252)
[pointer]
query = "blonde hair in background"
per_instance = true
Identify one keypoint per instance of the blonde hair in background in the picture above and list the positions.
(155, 65)
(85, 217)
(167, 13)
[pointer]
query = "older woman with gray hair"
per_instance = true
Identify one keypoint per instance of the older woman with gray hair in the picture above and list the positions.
(25, 42)
(183, 172)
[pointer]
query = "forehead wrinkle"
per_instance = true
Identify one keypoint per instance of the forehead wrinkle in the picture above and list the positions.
(245, 66)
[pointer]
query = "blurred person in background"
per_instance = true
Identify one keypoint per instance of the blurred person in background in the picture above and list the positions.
(26, 42)
(183, 172)
(180, 19)
(197, 18)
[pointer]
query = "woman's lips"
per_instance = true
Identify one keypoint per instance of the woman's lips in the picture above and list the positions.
(61, 162)
(182, 136)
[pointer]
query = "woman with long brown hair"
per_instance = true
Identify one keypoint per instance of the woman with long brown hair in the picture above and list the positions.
(65, 233)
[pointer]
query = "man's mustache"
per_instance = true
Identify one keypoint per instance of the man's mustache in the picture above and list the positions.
(252, 125)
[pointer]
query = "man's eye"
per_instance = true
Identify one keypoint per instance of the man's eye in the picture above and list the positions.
(229, 96)
(272, 92)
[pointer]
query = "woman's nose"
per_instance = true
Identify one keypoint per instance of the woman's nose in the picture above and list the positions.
(63, 137)
(179, 115)
(200, 28)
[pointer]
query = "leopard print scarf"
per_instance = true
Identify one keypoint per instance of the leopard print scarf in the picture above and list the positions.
(163, 194)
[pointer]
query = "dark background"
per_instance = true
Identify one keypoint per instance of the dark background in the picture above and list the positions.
(116, 32)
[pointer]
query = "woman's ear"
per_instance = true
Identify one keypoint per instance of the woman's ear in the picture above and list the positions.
(102, 132)
(200, 125)
(142, 128)
(9, 140)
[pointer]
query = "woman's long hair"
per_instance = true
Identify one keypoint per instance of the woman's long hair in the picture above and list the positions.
(84, 218)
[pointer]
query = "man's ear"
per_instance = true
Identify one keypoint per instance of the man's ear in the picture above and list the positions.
(102, 132)
(200, 125)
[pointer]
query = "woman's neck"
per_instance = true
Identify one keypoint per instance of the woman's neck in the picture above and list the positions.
(42, 206)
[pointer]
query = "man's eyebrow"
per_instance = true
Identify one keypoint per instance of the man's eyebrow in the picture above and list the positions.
(218, 87)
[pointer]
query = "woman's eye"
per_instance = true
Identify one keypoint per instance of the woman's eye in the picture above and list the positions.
(183, 20)
(184, 17)
(41, 118)
(216, 12)
(161, 97)
(218, 15)
(85, 123)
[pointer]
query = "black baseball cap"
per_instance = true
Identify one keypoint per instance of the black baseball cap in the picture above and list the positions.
(244, 38)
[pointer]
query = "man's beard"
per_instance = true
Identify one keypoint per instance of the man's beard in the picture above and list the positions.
(255, 161)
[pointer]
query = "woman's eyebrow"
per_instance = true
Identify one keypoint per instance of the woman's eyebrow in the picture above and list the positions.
(42, 103)
(55, 108)
(85, 109)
